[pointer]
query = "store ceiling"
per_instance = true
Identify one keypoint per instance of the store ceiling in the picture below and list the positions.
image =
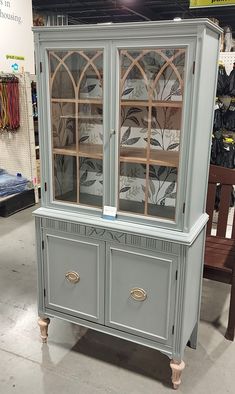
(100, 11)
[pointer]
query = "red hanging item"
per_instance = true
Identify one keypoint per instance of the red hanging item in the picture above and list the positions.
(9, 103)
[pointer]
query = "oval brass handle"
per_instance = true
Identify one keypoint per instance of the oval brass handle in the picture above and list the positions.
(72, 277)
(138, 294)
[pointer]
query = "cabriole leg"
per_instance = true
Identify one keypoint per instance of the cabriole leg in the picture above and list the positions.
(177, 368)
(43, 324)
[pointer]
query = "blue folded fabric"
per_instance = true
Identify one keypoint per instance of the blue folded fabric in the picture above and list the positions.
(11, 184)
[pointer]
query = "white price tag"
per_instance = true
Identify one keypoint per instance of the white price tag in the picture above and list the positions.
(109, 212)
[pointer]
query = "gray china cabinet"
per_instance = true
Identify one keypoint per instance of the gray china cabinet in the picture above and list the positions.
(125, 128)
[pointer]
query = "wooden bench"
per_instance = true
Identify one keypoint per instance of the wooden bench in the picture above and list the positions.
(219, 262)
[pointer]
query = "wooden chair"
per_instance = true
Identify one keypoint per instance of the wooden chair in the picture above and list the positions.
(219, 262)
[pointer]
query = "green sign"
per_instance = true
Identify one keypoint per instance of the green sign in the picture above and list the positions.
(15, 57)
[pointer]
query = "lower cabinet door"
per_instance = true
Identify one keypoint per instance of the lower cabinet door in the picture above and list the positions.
(74, 275)
(141, 291)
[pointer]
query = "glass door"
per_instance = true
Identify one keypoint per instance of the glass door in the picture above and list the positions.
(150, 122)
(76, 101)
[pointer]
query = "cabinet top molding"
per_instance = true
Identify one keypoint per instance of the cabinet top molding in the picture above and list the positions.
(168, 25)
(130, 228)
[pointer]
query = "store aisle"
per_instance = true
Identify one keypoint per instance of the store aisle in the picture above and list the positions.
(77, 360)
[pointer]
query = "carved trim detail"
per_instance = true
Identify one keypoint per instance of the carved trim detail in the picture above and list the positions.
(167, 247)
(150, 243)
(62, 226)
(112, 236)
(75, 228)
(133, 240)
(50, 223)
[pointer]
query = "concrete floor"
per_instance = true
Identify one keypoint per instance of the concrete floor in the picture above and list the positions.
(80, 361)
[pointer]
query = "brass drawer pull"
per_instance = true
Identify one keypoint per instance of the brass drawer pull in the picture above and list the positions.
(138, 294)
(72, 277)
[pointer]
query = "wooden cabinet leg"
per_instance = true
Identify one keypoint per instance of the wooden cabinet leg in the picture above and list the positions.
(177, 368)
(43, 324)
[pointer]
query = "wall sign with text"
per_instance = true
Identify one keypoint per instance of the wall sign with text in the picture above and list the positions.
(210, 3)
(16, 36)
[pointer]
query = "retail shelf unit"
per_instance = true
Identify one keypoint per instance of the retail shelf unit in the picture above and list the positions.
(18, 148)
(125, 116)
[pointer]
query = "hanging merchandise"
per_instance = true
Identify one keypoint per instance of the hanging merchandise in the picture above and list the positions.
(9, 103)
(223, 138)
(231, 82)
(34, 99)
(217, 149)
(220, 109)
(229, 155)
(222, 83)
(229, 117)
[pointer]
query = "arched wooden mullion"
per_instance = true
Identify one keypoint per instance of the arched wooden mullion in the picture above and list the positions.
(62, 62)
(168, 62)
(89, 63)
(134, 63)
(180, 51)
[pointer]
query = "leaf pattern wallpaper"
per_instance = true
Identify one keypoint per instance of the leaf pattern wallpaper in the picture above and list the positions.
(134, 131)
(63, 124)
(91, 176)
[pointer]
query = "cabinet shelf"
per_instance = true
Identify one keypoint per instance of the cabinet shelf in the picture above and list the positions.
(128, 155)
(128, 103)
(94, 151)
(154, 103)
(98, 101)
(82, 116)
(66, 150)
(157, 157)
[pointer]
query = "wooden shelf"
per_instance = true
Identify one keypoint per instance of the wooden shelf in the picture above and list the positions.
(98, 101)
(82, 116)
(164, 158)
(155, 103)
(66, 150)
(172, 104)
(128, 155)
(91, 101)
(94, 151)
(157, 157)
(128, 103)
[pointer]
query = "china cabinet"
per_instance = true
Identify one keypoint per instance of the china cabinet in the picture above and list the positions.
(125, 115)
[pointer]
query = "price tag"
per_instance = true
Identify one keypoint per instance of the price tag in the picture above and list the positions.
(109, 212)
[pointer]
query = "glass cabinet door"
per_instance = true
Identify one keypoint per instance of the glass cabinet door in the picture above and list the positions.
(76, 100)
(150, 102)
